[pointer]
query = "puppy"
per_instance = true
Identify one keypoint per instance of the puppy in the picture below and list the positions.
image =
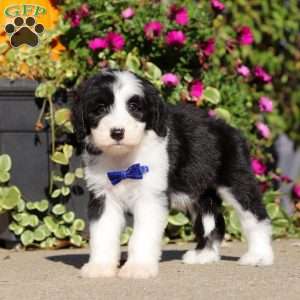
(144, 157)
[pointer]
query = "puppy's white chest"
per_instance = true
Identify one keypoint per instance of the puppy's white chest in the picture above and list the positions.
(152, 153)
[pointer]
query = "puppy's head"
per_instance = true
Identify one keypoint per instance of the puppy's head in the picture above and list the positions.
(114, 109)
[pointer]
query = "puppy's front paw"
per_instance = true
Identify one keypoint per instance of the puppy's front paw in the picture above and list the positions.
(91, 270)
(204, 256)
(135, 270)
(257, 259)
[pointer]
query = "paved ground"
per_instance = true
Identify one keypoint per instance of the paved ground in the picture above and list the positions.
(54, 275)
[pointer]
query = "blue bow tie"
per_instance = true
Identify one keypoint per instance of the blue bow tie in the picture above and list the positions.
(135, 171)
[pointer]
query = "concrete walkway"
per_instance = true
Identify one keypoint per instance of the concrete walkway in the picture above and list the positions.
(54, 275)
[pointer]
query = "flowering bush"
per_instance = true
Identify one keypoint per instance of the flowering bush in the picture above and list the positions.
(223, 56)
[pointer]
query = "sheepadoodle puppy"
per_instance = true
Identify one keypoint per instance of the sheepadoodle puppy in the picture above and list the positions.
(145, 157)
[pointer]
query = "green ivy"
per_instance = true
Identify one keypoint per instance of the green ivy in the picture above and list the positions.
(38, 224)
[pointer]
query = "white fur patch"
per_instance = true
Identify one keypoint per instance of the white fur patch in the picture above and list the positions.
(180, 201)
(105, 236)
(208, 224)
(258, 233)
(125, 86)
(138, 271)
(204, 256)
(91, 270)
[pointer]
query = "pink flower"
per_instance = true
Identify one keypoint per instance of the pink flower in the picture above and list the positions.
(263, 130)
(258, 167)
(153, 29)
(296, 190)
(98, 44)
(243, 71)
(217, 5)
(75, 20)
(245, 36)
(285, 178)
(196, 90)
(127, 13)
(179, 15)
(175, 38)
(262, 75)
(84, 10)
(75, 15)
(208, 47)
(265, 104)
(115, 40)
(170, 79)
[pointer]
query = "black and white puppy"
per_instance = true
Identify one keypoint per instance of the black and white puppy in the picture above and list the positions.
(194, 161)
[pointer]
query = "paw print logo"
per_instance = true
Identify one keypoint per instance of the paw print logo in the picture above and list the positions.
(24, 32)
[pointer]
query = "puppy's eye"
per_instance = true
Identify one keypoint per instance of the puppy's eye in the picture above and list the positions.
(134, 104)
(100, 108)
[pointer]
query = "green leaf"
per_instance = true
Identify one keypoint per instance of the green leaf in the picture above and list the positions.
(4, 176)
(39, 234)
(30, 205)
(34, 221)
(60, 158)
(5, 162)
(273, 210)
(21, 205)
(153, 72)
(278, 231)
(223, 114)
(48, 243)
(78, 225)
(42, 205)
(211, 95)
(45, 229)
(69, 217)
(187, 237)
(50, 223)
(17, 229)
(68, 151)
(25, 219)
(61, 116)
(281, 223)
(69, 178)
(27, 237)
(59, 209)
(76, 240)
(9, 197)
(45, 89)
(125, 236)
(234, 221)
(60, 232)
(56, 193)
(178, 219)
(65, 190)
(132, 62)
(79, 173)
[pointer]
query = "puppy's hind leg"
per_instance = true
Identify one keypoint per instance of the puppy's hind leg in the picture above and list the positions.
(209, 227)
(246, 199)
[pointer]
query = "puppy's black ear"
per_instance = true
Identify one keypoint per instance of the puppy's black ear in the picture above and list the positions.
(79, 116)
(156, 110)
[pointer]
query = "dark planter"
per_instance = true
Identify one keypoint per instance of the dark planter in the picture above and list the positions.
(29, 150)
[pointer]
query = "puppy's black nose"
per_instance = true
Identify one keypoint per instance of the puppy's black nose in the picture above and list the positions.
(117, 133)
